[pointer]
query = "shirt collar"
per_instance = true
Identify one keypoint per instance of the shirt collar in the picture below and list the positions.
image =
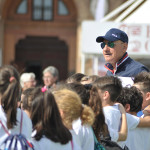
(109, 67)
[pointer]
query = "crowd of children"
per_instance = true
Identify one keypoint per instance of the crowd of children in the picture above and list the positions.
(68, 115)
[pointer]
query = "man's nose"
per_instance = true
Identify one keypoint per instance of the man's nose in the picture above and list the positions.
(106, 47)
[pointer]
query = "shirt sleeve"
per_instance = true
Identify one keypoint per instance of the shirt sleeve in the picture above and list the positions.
(132, 121)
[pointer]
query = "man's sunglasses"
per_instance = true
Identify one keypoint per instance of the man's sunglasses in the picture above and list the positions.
(109, 44)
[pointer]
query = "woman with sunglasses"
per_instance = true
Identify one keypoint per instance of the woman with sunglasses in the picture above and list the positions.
(114, 45)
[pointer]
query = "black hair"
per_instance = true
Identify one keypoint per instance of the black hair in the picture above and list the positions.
(132, 96)
(111, 84)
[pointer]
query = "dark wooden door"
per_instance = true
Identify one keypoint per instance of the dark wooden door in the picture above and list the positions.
(36, 53)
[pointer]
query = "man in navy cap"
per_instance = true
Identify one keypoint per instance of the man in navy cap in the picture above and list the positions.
(114, 45)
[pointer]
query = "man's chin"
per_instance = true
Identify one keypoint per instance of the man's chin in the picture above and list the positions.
(108, 61)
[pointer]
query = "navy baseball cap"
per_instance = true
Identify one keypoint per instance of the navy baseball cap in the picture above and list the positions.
(113, 35)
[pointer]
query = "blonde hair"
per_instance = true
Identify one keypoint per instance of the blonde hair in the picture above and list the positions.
(70, 103)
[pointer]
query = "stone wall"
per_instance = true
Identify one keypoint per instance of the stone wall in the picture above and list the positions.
(83, 10)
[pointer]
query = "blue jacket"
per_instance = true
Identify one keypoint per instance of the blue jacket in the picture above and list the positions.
(126, 67)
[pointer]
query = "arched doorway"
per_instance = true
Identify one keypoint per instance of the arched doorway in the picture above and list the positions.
(37, 52)
(30, 31)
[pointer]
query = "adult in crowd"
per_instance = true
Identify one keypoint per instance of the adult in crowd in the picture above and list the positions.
(50, 77)
(114, 45)
(27, 80)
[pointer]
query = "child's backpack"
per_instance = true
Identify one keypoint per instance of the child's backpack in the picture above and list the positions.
(16, 141)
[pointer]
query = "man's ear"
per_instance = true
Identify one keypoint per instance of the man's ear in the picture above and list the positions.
(127, 108)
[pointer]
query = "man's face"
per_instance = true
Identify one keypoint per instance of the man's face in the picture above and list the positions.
(114, 54)
(48, 79)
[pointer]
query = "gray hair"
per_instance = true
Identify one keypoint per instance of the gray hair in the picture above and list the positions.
(52, 70)
(25, 77)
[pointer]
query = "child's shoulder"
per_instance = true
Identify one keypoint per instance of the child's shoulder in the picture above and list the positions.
(113, 107)
(112, 110)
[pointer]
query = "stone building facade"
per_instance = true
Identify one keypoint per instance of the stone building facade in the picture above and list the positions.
(31, 39)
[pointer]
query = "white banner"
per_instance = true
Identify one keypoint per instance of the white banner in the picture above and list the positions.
(139, 36)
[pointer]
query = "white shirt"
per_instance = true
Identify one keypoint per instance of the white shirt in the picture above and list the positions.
(113, 119)
(132, 123)
(138, 138)
(84, 134)
(46, 144)
(26, 125)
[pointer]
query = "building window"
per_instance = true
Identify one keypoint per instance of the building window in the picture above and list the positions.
(22, 8)
(62, 9)
(43, 10)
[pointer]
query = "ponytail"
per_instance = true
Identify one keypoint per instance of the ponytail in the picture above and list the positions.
(9, 104)
(99, 125)
(9, 90)
(87, 115)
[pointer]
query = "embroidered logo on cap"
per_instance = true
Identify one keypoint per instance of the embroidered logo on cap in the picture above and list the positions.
(114, 35)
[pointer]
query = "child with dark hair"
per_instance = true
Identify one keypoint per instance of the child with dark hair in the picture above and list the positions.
(49, 131)
(10, 115)
(104, 93)
(142, 82)
(132, 99)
